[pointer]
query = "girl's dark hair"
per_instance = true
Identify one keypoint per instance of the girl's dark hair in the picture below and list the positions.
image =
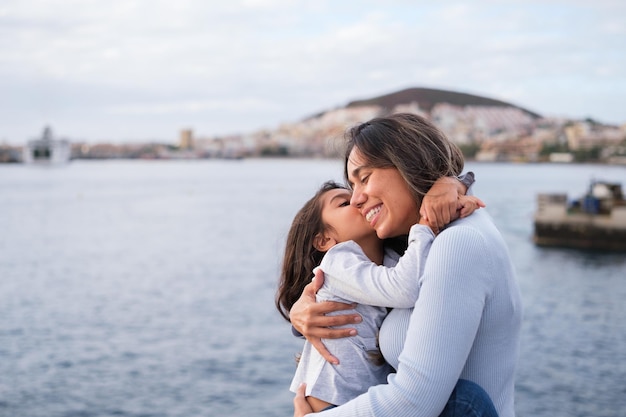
(300, 253)
(409, 143)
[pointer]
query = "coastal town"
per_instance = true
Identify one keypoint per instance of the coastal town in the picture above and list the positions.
(485, 131)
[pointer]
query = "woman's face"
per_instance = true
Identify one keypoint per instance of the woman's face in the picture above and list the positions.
(345, 221)
(382, 196)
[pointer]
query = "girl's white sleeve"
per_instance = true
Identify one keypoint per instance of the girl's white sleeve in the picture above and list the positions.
(351, 275)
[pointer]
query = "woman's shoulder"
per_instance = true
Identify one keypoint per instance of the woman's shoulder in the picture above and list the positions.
(478, 220)
(474, 228)
(477, 233)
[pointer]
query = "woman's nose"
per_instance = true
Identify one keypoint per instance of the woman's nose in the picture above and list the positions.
(357, 198)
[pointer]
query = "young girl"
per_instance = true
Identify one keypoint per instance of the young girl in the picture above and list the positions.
(331, 234)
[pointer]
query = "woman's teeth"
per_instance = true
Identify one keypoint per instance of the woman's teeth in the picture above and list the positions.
(370, 214)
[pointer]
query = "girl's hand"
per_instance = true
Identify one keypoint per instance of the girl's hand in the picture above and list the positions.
(300, 404)
(309, 318)
(446, 201)
(467, 204)
(439, 205)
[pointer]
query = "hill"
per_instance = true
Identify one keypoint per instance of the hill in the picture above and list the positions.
(427, 98)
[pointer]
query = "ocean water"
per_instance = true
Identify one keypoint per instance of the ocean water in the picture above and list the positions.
(146, 288)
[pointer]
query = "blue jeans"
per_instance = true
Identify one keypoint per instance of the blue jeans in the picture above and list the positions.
(468, 399)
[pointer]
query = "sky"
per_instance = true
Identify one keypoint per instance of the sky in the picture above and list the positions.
(142, 70)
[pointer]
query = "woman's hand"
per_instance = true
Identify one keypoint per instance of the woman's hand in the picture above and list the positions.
(301, 406)
(310, 319)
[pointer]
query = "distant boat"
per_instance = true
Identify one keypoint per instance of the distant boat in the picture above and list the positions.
(47, 150)
(597, 220)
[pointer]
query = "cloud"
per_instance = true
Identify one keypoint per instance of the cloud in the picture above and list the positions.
(240, 105)
(261, 62)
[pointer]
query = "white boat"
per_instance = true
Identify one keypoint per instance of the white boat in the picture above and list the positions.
(47, 150)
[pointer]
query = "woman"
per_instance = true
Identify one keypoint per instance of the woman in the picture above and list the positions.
(465, 324)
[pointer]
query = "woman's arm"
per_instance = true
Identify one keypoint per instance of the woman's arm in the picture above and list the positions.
(309, 318)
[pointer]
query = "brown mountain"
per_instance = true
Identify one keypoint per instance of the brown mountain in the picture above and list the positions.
(428, 97)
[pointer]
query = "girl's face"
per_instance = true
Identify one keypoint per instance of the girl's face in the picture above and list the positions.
(382, 197)
(345, 221)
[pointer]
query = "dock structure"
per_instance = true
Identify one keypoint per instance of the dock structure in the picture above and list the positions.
(596, 221)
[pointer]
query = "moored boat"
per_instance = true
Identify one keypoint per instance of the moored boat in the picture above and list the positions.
(597, 220)
(47, 150)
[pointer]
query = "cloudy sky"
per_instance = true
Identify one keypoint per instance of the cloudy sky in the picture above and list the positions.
(135, 70)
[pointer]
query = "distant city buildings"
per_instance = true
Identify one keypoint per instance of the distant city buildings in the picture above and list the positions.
(186, 139)
(484, 133)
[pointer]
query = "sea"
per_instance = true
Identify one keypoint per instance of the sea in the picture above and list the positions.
(135, 288)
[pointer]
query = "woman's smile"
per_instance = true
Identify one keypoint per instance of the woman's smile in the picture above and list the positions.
(369, 216)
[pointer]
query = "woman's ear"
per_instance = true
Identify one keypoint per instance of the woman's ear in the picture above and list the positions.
(322, 242)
